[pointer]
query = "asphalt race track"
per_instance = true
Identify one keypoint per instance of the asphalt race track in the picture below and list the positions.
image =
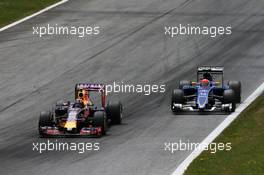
(36, 72)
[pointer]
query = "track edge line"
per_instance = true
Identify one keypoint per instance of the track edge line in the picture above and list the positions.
(217, 131)
(33, 15)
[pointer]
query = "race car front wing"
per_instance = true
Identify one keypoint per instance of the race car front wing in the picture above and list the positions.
(86, 131)
(191, 108)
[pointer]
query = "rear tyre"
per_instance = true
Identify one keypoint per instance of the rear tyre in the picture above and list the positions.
(177, 97)
(99, 120)
(76, 91)
(184, 83)
(45, 119)
(236, 86)
(114, 112)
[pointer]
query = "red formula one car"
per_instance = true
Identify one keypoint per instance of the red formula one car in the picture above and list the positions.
(88, 115)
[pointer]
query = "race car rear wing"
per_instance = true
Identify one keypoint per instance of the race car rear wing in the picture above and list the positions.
(210, 69)
(90, 86)
(216, 73)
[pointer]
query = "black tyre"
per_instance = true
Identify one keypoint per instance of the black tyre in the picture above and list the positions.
(184, 83)
(177, 97)
(114, 112)
(45, 119)
(99, 120)
(229, 97)
(76, 90)
(236, 86)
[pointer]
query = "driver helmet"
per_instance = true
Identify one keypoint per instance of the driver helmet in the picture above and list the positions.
(205, 82)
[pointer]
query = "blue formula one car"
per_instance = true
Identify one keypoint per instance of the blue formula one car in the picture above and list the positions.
(208, 93)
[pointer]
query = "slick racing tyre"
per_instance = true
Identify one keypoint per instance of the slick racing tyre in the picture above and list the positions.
(45, 119)
(236, 86)
(76, 91)
(177, 97)
(99, 120)
(230, 98)
(114, 112)
(184, 83)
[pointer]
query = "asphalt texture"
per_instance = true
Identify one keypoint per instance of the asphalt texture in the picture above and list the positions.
(36, 72)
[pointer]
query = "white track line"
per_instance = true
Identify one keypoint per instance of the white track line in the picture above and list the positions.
(33, 15)
(216, 132)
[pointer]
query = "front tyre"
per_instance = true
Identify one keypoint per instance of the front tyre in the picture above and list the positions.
(99, 120)
(114, 112)
(45, 119)
(177, 97)
(236, 86)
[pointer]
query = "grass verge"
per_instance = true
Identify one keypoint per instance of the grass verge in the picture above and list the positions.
(246, 157)
(12, 10)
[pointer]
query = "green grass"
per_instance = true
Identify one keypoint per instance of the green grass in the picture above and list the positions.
(246, 157)
(12, 10)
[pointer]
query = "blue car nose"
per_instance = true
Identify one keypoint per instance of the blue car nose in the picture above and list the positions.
(202, 100)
